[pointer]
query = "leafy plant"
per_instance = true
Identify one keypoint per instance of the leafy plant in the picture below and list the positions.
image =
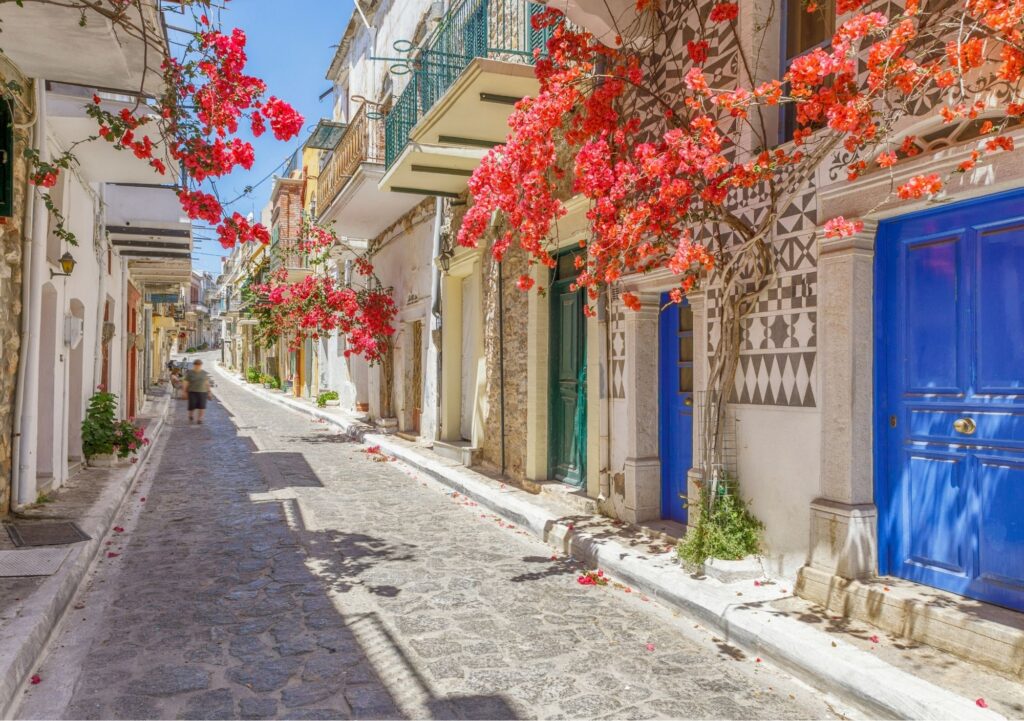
(727, 530)
(253, 375)
(103, 433)
(321, 400)
(272, 382)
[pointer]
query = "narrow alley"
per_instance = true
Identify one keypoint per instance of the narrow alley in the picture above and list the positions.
(269, 567)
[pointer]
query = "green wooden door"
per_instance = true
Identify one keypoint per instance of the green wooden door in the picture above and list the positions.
(568, 385)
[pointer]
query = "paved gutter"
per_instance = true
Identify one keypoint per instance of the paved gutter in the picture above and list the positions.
(859, 677)
(24, 640)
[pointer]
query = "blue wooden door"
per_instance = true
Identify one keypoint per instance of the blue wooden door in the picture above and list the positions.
(950, 352)
(675, 384)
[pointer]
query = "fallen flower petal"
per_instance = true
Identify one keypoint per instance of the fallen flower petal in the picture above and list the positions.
(650, 647)
(111, 554)
(981, 702)
(757, 660)
(37, 679)
(874, 639)
(118, 529)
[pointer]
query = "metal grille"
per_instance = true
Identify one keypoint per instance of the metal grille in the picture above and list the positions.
(725, 466)
(496, 29)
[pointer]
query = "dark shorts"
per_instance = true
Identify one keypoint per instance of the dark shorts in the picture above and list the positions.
(196, 400)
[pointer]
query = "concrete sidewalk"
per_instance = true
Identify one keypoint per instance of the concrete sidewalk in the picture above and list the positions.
(743, 613)
(32, 607)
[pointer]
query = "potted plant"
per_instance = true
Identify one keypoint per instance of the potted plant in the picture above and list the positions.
(328, 398)
(106, 441)
(253, 375)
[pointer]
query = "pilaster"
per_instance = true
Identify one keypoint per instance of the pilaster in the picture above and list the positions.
(643, 462)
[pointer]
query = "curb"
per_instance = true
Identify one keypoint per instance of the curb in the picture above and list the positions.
(831, 665)
(43, 610)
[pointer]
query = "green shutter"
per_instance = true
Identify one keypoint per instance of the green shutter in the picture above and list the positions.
(6, 160)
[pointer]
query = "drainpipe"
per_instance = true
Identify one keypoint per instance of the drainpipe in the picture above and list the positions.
(101, 294)
(32, 283)
(435, 308)
(27, 221)
(123, 389)
(501, 361)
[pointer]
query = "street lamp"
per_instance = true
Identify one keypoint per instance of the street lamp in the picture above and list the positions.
(67, 264)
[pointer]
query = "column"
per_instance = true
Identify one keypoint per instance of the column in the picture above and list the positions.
(844, 534)
(698, 304)
(643, 463)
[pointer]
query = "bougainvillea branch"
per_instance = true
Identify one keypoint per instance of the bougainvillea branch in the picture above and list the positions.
(194, 123)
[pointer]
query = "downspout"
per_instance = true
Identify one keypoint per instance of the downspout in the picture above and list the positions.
(435, 308)
(99, 247)
(31, 311)
(501, 361)
(27, 229)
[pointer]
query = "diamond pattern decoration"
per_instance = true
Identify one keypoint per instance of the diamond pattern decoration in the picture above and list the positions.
(776, 379)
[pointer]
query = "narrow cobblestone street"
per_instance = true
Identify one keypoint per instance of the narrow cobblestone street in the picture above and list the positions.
(268, 567)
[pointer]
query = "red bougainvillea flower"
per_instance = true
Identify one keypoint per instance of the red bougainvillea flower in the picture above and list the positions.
(36, 679)
(840, 227)
(724, 12)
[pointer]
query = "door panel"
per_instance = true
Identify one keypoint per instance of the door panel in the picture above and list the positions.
(567, 418)
(675, 390)
(950, 358)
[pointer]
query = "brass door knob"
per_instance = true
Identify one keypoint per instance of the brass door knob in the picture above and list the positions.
(688, 401)
(967, 426)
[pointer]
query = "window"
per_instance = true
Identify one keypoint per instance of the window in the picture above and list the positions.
(802, 31)
(6, 160)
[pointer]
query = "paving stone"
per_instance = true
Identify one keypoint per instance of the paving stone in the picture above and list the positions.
(216, 704)
(266, 675)
(306, 694)
(170, 680)
(257, 708)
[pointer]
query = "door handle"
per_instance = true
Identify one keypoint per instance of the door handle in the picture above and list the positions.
(967, 426)
(688, 401)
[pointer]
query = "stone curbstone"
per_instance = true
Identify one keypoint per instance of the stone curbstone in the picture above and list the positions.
(854, 675)
(25, 640)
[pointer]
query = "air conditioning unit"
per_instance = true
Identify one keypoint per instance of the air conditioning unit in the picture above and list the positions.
(74, 329)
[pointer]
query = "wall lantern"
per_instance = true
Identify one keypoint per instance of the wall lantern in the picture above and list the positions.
(67, 264)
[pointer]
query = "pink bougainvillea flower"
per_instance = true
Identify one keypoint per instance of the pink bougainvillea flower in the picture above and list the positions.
(650, 647)
(37, 679)
(118, 529)
(981, 703)
(111, 554)
(874, 639)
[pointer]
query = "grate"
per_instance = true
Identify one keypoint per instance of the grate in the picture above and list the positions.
(32, 561)
(45, 534)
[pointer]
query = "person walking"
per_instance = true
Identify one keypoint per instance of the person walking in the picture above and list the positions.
(197, 385)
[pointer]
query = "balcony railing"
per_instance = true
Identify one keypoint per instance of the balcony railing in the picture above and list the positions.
(496, 29)
(362, 142)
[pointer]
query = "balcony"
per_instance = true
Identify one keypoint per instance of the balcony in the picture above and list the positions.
(286, 254)
(347, 193)
(462, 85)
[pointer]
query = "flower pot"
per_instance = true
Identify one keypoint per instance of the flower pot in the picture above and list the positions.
(333, 402)
(363, 407)
(107, 460)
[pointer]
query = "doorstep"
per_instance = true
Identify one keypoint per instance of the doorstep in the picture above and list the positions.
(32, 607)
(975, 631)
(740, 612)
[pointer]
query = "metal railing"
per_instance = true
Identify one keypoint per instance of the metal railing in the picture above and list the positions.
(496, 29)
(362, 142)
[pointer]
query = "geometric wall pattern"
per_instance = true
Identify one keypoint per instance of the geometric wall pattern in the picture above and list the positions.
(776, 379)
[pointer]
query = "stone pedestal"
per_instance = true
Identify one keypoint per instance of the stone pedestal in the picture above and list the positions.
(844, 538)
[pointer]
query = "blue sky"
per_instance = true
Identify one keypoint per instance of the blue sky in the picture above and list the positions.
(289, 46)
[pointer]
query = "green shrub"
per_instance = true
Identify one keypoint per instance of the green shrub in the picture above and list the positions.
(273, 381)
(253, 375)
(321, 400)
(728, 532)
(103, 433)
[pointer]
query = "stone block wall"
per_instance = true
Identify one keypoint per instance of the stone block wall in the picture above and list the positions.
(11, 273)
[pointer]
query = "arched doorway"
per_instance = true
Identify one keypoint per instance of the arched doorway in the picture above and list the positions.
(76, 383)
(45, 402)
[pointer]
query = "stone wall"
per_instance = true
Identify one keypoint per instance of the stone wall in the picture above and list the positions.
(11, 269)
(512, 336)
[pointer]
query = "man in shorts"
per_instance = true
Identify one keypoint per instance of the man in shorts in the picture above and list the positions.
(197, 383)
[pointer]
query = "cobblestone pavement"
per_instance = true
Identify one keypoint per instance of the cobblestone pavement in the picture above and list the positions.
(269, 568)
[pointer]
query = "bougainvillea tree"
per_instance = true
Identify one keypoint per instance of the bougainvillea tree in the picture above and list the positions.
(319, 304)
(206, 95)
(660, 179)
